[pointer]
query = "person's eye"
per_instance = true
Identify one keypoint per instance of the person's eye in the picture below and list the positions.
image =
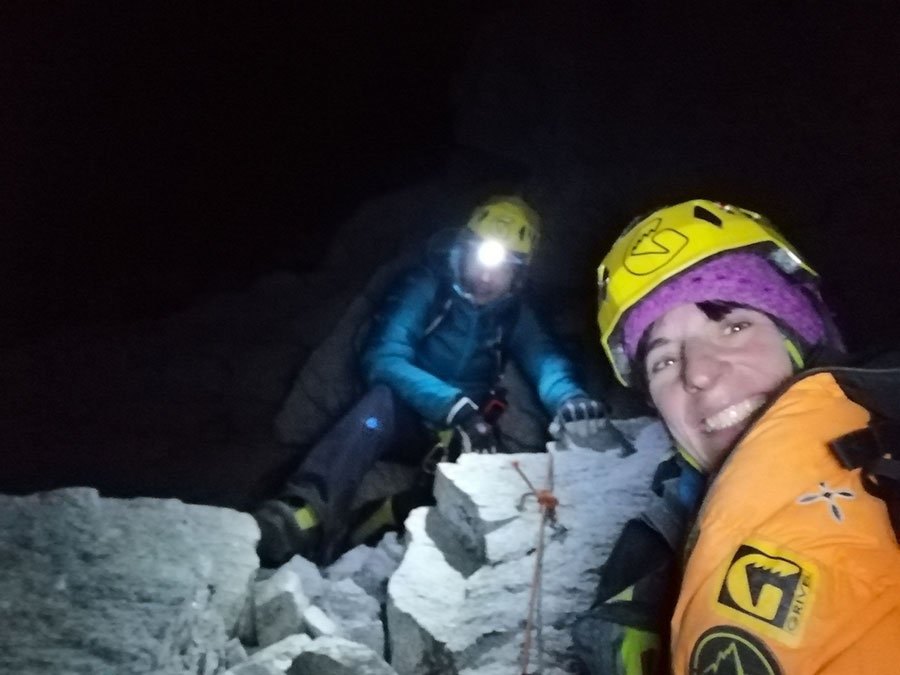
(660, 364)
(733, 327)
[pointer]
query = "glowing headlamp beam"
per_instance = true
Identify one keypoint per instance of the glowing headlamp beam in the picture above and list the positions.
(491, 253)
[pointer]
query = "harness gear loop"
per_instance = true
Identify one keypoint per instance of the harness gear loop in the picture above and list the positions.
(440, 451)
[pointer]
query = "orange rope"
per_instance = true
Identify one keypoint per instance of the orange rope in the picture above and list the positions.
(547, 502)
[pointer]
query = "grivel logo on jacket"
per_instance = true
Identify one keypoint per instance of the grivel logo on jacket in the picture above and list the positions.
(770, 589)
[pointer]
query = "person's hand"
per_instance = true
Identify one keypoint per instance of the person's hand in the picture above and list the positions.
(582, 409)
(475, 434)
(581, 422)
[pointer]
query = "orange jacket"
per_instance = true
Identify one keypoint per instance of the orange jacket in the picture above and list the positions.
(795, 569)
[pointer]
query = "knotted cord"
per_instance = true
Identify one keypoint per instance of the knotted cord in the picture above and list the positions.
(547, 502)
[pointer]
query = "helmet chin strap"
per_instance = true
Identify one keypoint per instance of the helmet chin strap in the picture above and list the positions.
(795, 354)
(688, 457)
(463, 292)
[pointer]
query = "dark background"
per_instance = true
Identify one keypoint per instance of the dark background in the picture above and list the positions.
(153, 153)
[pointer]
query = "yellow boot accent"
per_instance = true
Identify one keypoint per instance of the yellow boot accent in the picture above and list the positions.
(306, 518)
(380, 519)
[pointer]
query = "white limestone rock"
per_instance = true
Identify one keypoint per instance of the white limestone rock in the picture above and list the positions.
(459, 600)
(369, 567)
(311, 580)
(356, 613)
(279, 603)
(317, 623)
(91, 585)
(234, 653)
(337, 656)
(281, 655)
(251, 668)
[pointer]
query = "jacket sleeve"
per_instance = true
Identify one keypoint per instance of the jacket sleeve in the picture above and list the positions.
(390, 355)
(538, 355)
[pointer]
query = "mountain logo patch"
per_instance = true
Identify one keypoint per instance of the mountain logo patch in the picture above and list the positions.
(727, 650)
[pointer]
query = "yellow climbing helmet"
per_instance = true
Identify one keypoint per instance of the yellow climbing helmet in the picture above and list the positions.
(509, 221)
(670, 241)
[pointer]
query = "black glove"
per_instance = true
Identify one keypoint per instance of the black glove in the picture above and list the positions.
(475, 434)
(581, 409)
(580, 423)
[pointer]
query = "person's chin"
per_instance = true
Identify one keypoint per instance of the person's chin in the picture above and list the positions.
(484, 298)
(716, 446)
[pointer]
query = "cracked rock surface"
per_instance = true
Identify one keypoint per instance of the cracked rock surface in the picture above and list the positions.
(458, 602)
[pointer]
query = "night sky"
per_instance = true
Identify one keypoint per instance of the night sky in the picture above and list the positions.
(151, 154)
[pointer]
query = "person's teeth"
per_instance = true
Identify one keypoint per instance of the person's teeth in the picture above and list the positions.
(732, 415)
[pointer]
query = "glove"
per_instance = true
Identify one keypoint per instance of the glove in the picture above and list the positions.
(582, 409)
(475, 434)
(581, 422)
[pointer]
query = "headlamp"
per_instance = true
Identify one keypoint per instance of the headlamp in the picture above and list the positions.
(491, 253)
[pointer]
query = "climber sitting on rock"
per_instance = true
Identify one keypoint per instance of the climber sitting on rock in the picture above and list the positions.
(433, 362)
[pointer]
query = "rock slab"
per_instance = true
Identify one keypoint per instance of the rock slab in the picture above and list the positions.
(93, 585)
(458, 602)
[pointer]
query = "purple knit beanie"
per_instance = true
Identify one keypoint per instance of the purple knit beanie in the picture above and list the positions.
(744, 278)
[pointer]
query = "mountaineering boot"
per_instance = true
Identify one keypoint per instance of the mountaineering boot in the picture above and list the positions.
(379, 518)
(286, 530)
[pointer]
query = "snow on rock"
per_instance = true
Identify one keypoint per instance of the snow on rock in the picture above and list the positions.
(458, 603)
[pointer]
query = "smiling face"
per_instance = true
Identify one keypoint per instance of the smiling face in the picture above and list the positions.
(708, 376)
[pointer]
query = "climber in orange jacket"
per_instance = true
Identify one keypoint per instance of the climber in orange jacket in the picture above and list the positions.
(779, 511)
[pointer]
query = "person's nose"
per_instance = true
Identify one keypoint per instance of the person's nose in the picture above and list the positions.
(702, 366)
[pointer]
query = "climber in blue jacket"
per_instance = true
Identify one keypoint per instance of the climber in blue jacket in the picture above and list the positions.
(433, 362)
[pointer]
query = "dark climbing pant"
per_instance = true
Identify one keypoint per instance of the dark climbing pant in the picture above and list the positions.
(378, 427)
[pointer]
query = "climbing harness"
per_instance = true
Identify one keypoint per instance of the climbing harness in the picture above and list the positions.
(440, 451)
(547, 502)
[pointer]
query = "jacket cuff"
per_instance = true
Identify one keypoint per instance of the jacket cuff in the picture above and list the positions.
(463, 408)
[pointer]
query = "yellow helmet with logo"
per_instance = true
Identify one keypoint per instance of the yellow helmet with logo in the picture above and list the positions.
(509, 221)
(671, 241)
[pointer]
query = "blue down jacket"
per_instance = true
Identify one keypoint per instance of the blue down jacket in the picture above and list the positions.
(432, 346)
